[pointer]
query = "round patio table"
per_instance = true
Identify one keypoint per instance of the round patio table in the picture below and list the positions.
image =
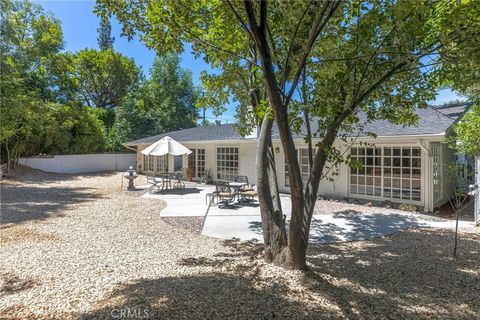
(237, 186)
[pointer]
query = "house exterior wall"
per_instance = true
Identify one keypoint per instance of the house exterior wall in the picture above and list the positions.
(246, 151)
(340, 185)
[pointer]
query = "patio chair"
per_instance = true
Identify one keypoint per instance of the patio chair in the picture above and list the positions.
(225, 195)
(247, 187)
(155, 183)
(179, 184)
(247, 192)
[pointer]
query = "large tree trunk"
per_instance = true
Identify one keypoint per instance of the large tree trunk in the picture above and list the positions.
(273, 222)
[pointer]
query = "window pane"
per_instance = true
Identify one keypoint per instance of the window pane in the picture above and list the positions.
(370, 151)
(396, 151)
(353, 151)
(416, 152)
(369, 181)
(387, 183)
(416, 162)
(387, 162)
(405, 173)
(406, 163)
(416, 184)
(396, 172)
(396, 162)
(416, 173)
(406, 152)
(387, 172)
(387, 151)
(396, 183)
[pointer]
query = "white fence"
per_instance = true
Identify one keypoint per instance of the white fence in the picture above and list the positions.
(82, 163)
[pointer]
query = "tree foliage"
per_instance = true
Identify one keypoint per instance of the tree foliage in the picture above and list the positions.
(164, 102)
(104, 39)
(353, 56)
(461, 72)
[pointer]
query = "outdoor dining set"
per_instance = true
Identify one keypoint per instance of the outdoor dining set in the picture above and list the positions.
(227, 192)
(165, 181)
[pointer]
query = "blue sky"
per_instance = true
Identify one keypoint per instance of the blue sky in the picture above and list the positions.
(79, 25)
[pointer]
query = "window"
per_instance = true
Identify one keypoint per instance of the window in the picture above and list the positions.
(302, 155)
(400, 172)
(436, 158)
(367, 179)
(161, 164)
(148, 163)
(196, 160)
(227, 163)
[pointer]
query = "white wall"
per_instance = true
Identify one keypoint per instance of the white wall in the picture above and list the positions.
(82, 163)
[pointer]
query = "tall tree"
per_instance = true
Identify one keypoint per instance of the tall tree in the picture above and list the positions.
(104, 38)
(30, 41)
(164, 102)
(354, 56)
(461, 72)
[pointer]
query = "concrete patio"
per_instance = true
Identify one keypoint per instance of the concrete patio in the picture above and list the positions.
(243, 221)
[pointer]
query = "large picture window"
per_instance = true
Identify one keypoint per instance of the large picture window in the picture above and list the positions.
(227, 163)
(388, 172)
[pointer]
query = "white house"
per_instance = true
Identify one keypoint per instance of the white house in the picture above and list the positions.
(405, 165)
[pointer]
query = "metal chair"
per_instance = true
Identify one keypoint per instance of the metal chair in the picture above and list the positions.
(179, 184)
(224, 194)
(247, 186)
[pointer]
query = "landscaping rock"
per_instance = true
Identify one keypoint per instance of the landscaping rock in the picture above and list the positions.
(387, 204)
(408, 207)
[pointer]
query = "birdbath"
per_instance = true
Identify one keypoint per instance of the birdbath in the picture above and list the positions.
(130, 176)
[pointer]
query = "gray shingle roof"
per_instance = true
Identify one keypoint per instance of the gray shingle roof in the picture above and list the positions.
(214, 132)
(431, 121)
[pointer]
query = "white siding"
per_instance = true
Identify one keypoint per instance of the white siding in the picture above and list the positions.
(247, 165)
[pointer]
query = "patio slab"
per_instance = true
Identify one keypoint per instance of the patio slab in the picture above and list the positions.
(187, 202)
(324, 229)
(243, 222)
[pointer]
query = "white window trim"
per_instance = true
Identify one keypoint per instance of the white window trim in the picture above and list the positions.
(382, 198)
(216, 159)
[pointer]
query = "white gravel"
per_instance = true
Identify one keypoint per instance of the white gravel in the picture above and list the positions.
(77, 247)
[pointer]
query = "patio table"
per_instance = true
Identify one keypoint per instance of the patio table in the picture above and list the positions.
(166, 181)
(237, 186)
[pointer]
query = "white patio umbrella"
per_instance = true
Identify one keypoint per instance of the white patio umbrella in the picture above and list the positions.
(164, 146)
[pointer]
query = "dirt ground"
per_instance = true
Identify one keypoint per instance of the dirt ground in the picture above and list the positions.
(79, 247)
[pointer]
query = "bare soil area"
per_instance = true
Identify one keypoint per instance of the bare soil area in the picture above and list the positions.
(79, 247)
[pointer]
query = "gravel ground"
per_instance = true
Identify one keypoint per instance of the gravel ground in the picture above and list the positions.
(336, 206)
(77, 247)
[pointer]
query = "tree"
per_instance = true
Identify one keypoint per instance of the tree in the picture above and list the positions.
(353, 56)
(460, 71)
(30, 41)
(104, 39)
(164, 102)
(99, 79)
